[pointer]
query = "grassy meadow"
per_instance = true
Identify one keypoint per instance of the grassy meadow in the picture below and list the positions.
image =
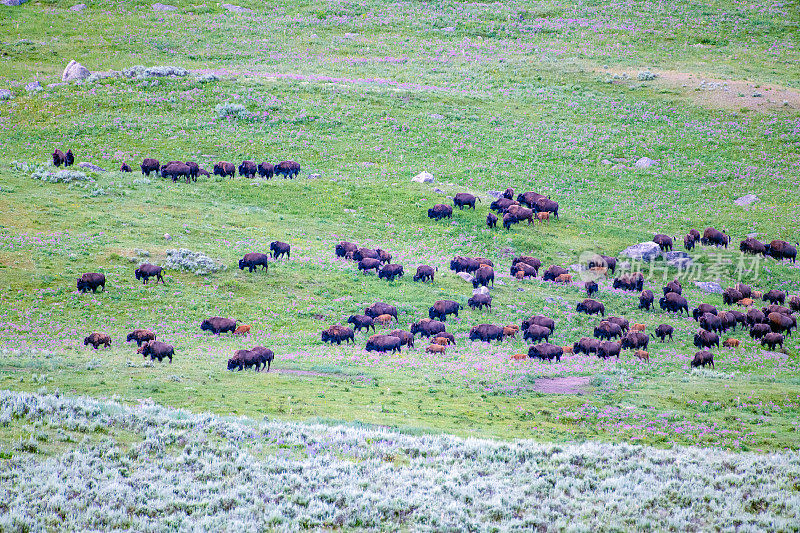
(526, 95)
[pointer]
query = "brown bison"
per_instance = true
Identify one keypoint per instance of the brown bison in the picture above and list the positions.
(97, 339)
(674, 303)
(435, 348)
(224, 169)
(366, 253)
(289, 169)
(69, 158)
(591, 287)
(508, 220)
(591, 307)
(663, 331)
(706, 339)
(775, 296)
(523, 270)
(609, 349)
(553, 272)
(425, 273)
(703, 309)
(194, 169)
(731, 343)
(279, 248)
(368, 264)
(442, 308)
(771, 340)
(757, 331)
(508, 193)
(253, 260)
(383, 343)
(479, 301)
(539, 320)
(58, 157)
(483, 276)
(782, 250)
(361, 322)
(381, 308)
(703, 358)
(243, 329)
(752, 246)
(405, 337)
(427, 327)
(635, 340)
(338, 334)
(501, 205)
(465, 199)
(440, 211)
(390, 272)
(646, 300)
(673, 286)
(586, 345)
(602, 261)
(755, 316)
(664, 242)
(714, 237)
(629, 282)
(91, 281)
(157, 350)
(546, 205)
(607, 330)
(265, 170)
(147, 271)
(546, 351)
(731, 296)
(125, 167)
(642, 355)
(244, 359)
(150, 165)
(794, 303)
(779, 322)
(486, 333)
(217, 325)
(529, 198)
(248, 169)
(535, 333)
(177, 170)
(344, 248)
(491, 220)
(140, 336)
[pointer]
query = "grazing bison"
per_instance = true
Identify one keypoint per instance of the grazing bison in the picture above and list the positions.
(289, 169)
(150, 165)
(383, 343)
(553, 272)
(265, 354)
(523, 270)
(621, 322)
(744, 289)
(140, 336)
(464, 199)
(344, 248)
(607, 330)
(536, 333)
(442, 308)
(752, 246)
(384, 256)
(279, 248)
(521, 214)
(528, 260)
(427, 327)
(91, 281)
(586, 345)
(483, 276)
(546, 351)
(147, 271)
(564, 278)
(338, 334)
(435, 348)
(642, 355)
(546, 205)
(592, 287)
(794, 303)
(510, 330)
(491, 220)
(703, 309)
(440, 211)
(714, 237)
(775, 296)
(591, 307)
(757, 331)
(781, 250)
(508, 193)
(97, 339)
(694, 234)
(731, 343)
(673, 286)
(125, 167)
(390, 272)
(361, 322)
(688, 242)
(508, 220)
(664, 242)
(635, 340)
(727, 320)
(253, 260)
(177, 170)
(243, 329)
(501, 205)
(629, 282)
(194, 169)
(366, 253)
(157, 350)
(731, 296)
(486, 333)
(464, 264)
(739, 317)
(265, 170)
(529, 198)
(770, 340)
(703, 358)
(224, 169)
(754, 316)
(602, 261)
(217, 325)
(646, 300)
(244, 359)
(674, 303)
(203, 172)
(425, 273)
(405, 337)
(775, 308)
(710, 322)
(779, 322)
(58, 157)
(369, 263)
(609, 349)
(539, 320)
(380, 308)
(706, 339)
(663, 331)
(479, 301)
(248, 169)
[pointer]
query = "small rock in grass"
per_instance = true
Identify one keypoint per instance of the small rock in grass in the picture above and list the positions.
(423, 177)
(75, 71)
(644, 162)
(236, 9)
(480, 290)
(746, 200)
(78, 7)
(494, 194)
(33, 86)
(644, 251)
(91, 166)
(709, 286)
(5, 94)
(163, 7)
(167, 237)
(466, 277)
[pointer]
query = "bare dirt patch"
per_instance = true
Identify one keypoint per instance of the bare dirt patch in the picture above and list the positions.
(567, 385)
(714, 92)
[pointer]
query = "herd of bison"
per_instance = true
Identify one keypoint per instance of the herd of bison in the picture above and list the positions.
(610, 336)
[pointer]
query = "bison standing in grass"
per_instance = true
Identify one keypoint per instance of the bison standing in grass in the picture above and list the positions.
(381, 308)
(157, 350)
(248, 169)
(442, 308)
(703, 358)
(427, 327)
(217, 325)
(479, 301)
(289, 169)
(91, 281)
(646, 300)
(265, 170)
(465, 199)
(591, 307)
(98, 339)
(781, 250)
(338, 334)
(140, 336)
(147, 271)
(253, 260)
(224, 169)
(390, 272)
(440, 211)
(425, 273)
(486, 333)
(279, 248)
(150, 165)
(546, 351)
(714, 237)
(383, 344)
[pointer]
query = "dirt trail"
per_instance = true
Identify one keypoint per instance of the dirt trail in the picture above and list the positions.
(714, 92)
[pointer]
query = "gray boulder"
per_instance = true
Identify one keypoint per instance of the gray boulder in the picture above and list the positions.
(466, 277)
(78, 7)
(678, 259)
(709, 286)
(163, 7)
(644, 162)
(423, 177)
(75, 71)
(5, 94)
(91, 166)
(746, 200)
(33, 86)
(236, 9)
(480, 290)
(494, 194)
(644, 251)
(12, 3)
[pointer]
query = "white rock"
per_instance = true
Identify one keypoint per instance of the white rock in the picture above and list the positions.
(644, 162)
(314, 176)
(12, 3)
(236, 9)
(480, 290)
(423, 177)
(747, 200)
(644, 251)
(163, 7)
(709, 286)
(606, 162)
(494, 194)
(78, 7)
(75, 71)
(466, 277)
(91, 166)
(436, 116)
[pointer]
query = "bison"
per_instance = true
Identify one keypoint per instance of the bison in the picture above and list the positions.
(646, 300)
(602, 261)
(442, 308)
(486, 333)
(361, 322)
(779, 322)
(539, 320)
(546, 351)
(157, 350)
(523, 270)
(508, 220)
(632, 282)
(224, 169)
(714, 237)
(243, 329)
(177, 170)
(703, 309)
(774, 296)
(91, 281)
(97, 339)
(536, 333)
(754, 316)
(150, 165)
(781, 250)
(635, 340)
(591, 288)
(338, 334)
(771, 340)
(383, 343)
(591, 307)
(664, 242)
(248, 169)
(140, 336)
(465, 199)
(244, 359)
(546, 205)
(501, 205)
(440, 211)
(253, 260)
(491, 220)
(609, 349)
(265, 170)
(58, 157)
(289, 169)
(529, 198)
(405, 337)
(147, 271)
(194, 169)
(483, 276)
(752, 246)
(703, 358)
(586, 345)
(731, 296)
(553, 272)
(710, 322)
(673, 286)
(425, 272)
(344, 248)
(217, 325)
(368, 263)
(381, 308)
(607, 330)
(663, 331)
(427, 327)
(758, 331)
(674, 303)
(706, 339)
(125, 167)
(390, 272)
(479, 301)
(279, 248)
